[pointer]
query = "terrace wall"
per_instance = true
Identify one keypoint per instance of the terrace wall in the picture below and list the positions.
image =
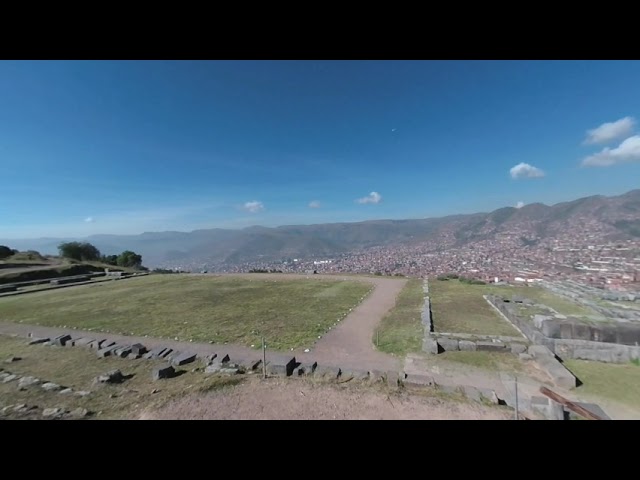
(584, 348)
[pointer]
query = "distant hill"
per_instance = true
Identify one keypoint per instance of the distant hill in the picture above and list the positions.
(607, 218)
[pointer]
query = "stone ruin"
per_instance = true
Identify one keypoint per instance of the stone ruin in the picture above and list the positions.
(572, 337)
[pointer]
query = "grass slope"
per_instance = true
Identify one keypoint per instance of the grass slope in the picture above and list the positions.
(290, 313)
(401, 331)
(620, 383)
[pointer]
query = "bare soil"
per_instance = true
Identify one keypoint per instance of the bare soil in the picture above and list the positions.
(278, 399)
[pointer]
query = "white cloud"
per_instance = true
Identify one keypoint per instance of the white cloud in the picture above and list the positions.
(627, 152)
(524, 170)
(610, 131)
(254, 206)
(519, 204)
(373, 197)
(89, 220)
(314, 204)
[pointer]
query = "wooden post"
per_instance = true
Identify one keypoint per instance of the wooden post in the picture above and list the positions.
(264, 359)
(574, 407)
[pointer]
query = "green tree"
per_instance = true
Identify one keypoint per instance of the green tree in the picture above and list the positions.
(129, 259)
(79, 251)
(5, 251)
(110, 259)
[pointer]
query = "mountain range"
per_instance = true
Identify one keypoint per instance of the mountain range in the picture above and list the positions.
(605, 219)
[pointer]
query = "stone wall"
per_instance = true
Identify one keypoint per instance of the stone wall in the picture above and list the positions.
(444, 342)
(570, 347)
(448, 342)
(574, 329)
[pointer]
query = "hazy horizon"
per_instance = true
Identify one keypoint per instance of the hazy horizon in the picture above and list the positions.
(289, 224)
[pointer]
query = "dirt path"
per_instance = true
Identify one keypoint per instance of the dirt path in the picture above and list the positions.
(351, 342)
(349, 346)
(278, 399)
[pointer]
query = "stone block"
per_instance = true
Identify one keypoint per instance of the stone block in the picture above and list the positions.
(518, 348)
(229, 371)
(430, 345)
(61, 340)
(172, 355)
(346, 375)
(467, 346)
(165, 353)
(375, 376)
(362, 376)
(525, 357)
(287, 361)
(327, 373)
(35, 341)
(53, 412)
(415, 381)
(122, 352)
(163, 371)
(449, 344)
(138, 349)
(25, 382)
(483, 346)
(252, 364)
(51, 387)
(393, 379)
(213, 367)
(155, 353)
(105, 352)
(112, 376)
(79, 413)
(83, 342)
(183, 358)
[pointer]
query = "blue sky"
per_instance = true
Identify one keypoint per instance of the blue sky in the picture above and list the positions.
(125, 147)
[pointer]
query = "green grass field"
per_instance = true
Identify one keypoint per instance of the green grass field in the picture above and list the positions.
(290, 313)
(460, 308)
(401, 331)
(620, 383)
